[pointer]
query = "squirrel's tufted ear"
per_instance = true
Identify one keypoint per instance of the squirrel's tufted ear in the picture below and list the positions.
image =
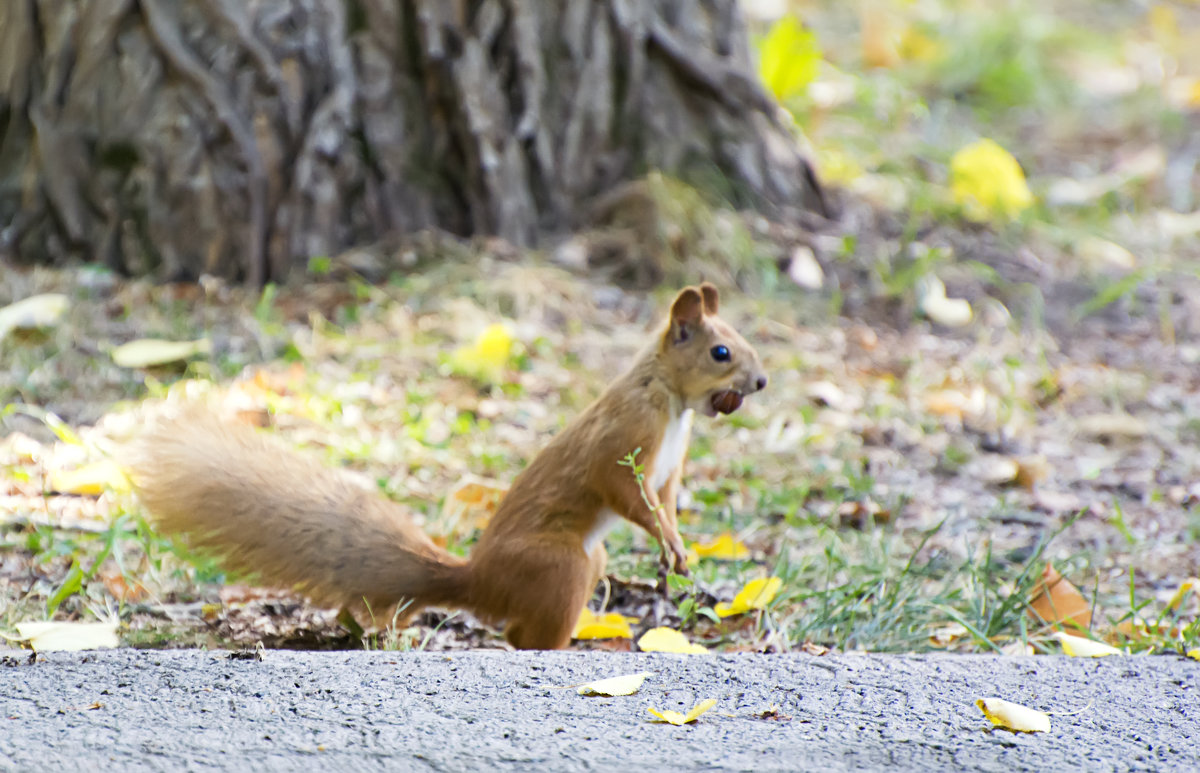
(686, 313)
(711, 297)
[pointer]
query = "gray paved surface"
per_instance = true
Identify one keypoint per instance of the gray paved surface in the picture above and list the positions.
(493, 710)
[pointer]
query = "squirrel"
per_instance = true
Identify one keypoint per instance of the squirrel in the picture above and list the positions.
(288, 520)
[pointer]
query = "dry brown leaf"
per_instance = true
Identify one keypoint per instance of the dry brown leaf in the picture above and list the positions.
(861, 515)
(471, 504)
(956, 403)
(1056, 601)
(120, 588)
(1032, 470)
(773, 713)
(945, 635)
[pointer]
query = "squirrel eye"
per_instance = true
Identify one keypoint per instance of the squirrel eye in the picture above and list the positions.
(720, 353)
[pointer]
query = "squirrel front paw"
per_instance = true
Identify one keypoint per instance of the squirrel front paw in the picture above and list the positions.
(679, 558)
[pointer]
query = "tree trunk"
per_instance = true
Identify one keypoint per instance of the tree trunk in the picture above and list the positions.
(242, 137)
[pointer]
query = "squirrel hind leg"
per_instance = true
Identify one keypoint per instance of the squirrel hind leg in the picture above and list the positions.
(542, 593)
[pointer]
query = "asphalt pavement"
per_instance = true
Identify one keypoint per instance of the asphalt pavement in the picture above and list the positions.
(197, 710)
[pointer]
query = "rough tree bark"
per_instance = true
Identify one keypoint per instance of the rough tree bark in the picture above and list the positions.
(242, 137)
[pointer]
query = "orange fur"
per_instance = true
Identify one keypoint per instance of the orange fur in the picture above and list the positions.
(293, 522)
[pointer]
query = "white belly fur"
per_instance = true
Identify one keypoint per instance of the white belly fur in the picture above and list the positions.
(670, 455)
(671, 450)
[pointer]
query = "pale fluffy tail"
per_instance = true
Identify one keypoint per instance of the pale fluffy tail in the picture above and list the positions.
(287, 520)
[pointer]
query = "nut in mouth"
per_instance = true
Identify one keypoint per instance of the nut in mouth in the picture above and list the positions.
(726, 401)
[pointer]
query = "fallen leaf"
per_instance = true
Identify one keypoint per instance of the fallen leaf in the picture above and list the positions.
(788, 58)
(486, 359)
(1019, 649)
(614, 685)
(36, 311)
(606, 626)
(149, 352)
(862, 514)
(987, 182)
(804, 270)
(951, 312)
(955, 403)
(1187, 586)
(995, 470)
(772, 712)
(1055, 600)
(945, 635)
(887, 42)
(471, 504)
(827, 393)
(1102, 252)
(1112, 425)
(755, 594)
(122, 589)
(1032, 470)
(1140, 628)
(668, 640)
(91, 479)
(676, 718)
(51, 636)
(1194, 654)
(725, 548)
(1014, 716)
(1079, 647)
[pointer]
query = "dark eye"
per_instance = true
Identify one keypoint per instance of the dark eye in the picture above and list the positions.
(720, 353)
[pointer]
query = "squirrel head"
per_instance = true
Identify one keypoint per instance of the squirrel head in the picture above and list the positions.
(707, 363)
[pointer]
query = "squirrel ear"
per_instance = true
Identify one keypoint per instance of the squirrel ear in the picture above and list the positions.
(711, 297)
(686, 312)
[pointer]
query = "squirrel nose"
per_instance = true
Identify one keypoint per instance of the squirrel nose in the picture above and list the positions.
(761, 383)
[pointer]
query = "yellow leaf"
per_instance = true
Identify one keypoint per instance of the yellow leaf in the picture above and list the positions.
(987, 182)
(1079, 647)
(755, 594)
(676, 718)
(606, 626)
(149, 352)
(486, 358)
(614, 685)
(837, 167)
(1194, 654)
(788, 58)
(951, 312)
(495, 344)
(1014, 716)
(91, 479)
(68, 637)
(668, 640)
(1185, 587)
(31, 313)
(724, 547)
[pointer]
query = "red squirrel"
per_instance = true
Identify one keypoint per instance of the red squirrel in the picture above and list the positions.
(290, 521)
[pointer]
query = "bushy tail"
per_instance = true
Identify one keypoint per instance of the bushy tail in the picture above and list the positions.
(287, 520)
